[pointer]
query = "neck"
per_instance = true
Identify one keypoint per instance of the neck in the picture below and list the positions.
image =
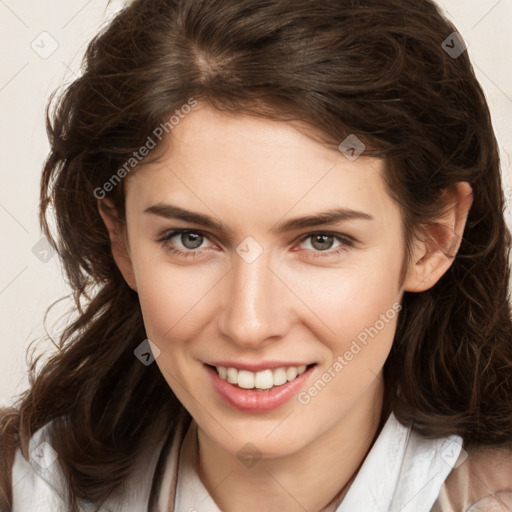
(311, 478)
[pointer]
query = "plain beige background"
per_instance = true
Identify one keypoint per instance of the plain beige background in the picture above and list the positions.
(41, 44)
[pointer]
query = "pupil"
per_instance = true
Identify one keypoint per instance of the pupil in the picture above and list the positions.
(196, 240)
(322, 244)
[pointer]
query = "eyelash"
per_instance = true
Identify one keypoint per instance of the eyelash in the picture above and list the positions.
(346, 241)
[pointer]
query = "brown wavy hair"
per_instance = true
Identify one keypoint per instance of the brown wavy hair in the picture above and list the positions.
(366, 67)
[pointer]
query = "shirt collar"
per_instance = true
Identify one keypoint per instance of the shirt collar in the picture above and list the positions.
(403, 472)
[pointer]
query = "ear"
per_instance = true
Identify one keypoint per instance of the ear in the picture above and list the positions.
(433, 256)
(118, 240)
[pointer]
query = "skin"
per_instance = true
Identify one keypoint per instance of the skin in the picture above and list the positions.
(251, 173)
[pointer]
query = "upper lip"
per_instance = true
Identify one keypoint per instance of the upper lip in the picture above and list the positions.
(255, 367)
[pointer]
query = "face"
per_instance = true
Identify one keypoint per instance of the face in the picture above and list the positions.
(254, 291)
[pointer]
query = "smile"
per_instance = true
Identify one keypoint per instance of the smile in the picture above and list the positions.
(261, 390)
(264, 379)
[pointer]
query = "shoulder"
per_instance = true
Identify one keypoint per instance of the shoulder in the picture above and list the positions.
(481, 481)
(37, 483)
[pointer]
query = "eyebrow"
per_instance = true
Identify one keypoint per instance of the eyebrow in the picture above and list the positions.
(332, 216)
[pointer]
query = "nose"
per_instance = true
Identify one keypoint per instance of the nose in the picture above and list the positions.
(256, 307)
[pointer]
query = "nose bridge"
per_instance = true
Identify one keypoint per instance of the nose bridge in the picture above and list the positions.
(254, 308)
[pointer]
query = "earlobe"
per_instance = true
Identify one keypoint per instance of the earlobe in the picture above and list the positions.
(118, 240)
(434, 254)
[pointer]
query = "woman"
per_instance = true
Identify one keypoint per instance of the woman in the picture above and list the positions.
(283, 224)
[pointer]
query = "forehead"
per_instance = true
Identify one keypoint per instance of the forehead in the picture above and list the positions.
(242, 164)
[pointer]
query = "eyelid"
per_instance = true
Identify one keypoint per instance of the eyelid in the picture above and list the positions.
(342, 236)
(178, 231)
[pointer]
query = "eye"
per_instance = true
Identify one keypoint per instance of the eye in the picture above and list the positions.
(190, 241)
(322, 243)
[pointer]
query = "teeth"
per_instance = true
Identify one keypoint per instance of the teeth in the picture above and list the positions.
(279, 375)
(231, 375)
(245, 379)
(264, 379)
(291, 373)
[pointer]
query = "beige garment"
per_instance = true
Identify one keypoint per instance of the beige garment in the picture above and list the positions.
(480, 482)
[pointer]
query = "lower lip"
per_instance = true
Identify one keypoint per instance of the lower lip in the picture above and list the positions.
(256, 401)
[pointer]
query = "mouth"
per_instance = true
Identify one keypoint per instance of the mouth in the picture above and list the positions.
(263, 380)
(260, 391)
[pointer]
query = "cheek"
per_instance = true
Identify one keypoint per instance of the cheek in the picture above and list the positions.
(360, 308)
(169, 292)
(353, 295)
(173, 316)
(171, 297)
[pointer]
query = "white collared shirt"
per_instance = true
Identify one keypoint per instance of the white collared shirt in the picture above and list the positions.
(402, 472)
